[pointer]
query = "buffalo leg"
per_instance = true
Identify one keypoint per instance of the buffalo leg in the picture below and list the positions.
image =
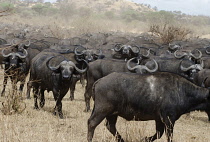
(42, 99)
(72, 88)
(35, 91)
(21, 86)
(159, 131)
(87, 96)
(111, 126)
(95, 119)
(29, 86)
(169, 126)
(58, 107)
(4, 84)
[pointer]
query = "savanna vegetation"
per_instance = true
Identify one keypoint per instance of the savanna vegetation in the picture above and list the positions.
(69, 18)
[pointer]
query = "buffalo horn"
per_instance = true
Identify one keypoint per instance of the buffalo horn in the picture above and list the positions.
(76, 52)
(22, 56)
(134, 50)
(151, 70)
(80, 70)
(29, 42)
(52, 68)
(147, 55)
(207, 52)
(128, 65)
(198, 57)
(118, 47)
(4, 55)
(196, 66)
(179, 57)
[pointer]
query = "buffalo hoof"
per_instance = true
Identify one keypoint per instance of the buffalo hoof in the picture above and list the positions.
(61, 115)
(87, 110)
(146, 139)
(36, 107)
(71, 98)
(3, 94)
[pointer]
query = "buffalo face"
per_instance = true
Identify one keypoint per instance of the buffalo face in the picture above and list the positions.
(14, 59)
(88, 54)
(65, 68)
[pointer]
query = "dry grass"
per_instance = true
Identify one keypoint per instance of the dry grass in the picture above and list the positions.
(42, 126)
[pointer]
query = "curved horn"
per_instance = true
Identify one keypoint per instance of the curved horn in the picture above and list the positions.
(23, 56)
(186, 69)
(80, 70)
(200, 54)
(29, 43)
(179, 57)
(141, 67)
(151, 70)
(117, 47)
(207, 52)
(75, 51)
(198, 67)
(147, 55)
(134, 50)
(4, 55)
(52, 68)
(128, 65)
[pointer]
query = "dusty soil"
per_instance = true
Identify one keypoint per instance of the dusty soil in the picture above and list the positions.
(42, 126)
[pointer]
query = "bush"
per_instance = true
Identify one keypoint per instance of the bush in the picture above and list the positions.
(169, 33)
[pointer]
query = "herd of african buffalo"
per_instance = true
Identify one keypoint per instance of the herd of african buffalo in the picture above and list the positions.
(128, 75)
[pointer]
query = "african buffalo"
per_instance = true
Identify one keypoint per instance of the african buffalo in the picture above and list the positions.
(100, 68)
(52, 72)
(161, 96)
(14, 68)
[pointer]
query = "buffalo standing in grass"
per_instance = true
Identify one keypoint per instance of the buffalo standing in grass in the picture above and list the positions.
(14, 68)
(52, 72)
(101, 68)
(162, 97)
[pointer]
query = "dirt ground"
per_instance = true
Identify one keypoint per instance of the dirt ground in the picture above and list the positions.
(42, 126)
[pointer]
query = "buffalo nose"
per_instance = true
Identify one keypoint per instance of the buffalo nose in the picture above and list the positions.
(66, 77)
